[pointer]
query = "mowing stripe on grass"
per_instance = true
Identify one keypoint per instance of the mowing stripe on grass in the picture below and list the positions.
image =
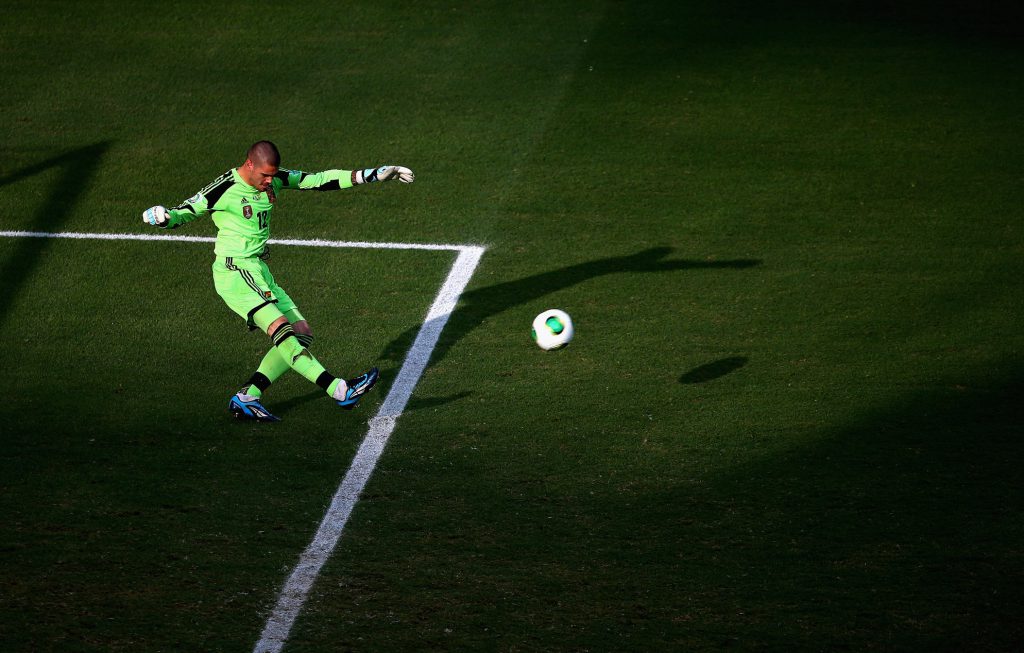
(300, 581)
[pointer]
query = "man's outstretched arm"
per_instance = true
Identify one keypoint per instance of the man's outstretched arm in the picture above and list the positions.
(338, 179)
(194, 207)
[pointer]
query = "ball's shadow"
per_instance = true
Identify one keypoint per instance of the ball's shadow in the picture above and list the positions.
(713, 370)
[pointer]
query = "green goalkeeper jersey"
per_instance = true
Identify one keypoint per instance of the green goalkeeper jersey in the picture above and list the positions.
(243, 213)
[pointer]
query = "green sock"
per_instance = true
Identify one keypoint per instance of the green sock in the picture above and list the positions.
(271, 368)
(299, 359)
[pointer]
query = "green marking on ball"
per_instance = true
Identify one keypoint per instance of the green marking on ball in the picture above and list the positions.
(554, 324)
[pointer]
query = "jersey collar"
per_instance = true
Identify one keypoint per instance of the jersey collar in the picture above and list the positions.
(239, 180)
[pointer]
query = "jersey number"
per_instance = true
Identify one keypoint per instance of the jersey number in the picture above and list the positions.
(264, 217)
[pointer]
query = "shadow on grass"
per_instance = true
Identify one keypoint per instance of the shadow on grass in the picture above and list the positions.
(414, 404)
(433, 402)
(477, 305)
(713, 370)
(902, 530)
(77, 169)
(676, 27)
(295, 402)
(990, 18)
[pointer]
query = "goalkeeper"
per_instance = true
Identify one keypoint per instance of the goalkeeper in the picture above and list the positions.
(241, 202)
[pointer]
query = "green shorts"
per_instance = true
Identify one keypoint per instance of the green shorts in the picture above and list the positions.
(248, 288)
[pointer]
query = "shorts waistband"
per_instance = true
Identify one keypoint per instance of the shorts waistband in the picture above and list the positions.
(262, 256)
(228, 261)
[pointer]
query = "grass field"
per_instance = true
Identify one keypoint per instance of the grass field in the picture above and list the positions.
(791, 240)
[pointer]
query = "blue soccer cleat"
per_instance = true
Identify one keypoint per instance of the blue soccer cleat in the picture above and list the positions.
(357, 387)
(249, 408)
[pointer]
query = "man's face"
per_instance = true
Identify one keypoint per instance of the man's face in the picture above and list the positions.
(258, 174)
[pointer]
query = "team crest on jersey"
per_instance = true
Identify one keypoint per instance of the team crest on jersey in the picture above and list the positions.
(271, 196)
(247, 211)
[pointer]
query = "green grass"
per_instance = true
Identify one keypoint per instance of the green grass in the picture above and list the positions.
(790, 239)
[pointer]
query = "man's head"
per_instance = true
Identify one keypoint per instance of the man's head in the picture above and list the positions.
(260, 165)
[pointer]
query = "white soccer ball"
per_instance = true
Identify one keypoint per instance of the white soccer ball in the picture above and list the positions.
(552, 329)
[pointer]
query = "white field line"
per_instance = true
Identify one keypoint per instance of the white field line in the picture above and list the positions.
(300, 581)
(211, 239)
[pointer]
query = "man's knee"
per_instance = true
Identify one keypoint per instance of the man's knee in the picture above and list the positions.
(275, 325)
(280, 330)
(303, 332)
(287, 341)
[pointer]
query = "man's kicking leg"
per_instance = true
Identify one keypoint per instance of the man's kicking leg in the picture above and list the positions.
(273, 366)
(290, 351)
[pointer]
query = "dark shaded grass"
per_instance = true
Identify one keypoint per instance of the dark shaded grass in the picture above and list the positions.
(137, 513)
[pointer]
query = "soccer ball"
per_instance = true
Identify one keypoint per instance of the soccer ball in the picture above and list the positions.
(552, 329)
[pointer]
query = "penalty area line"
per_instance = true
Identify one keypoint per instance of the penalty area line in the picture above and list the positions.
(348, 244)
(301, 580)
(296, 588)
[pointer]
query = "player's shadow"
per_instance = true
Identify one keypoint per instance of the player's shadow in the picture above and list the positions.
(414, 404)
(77, 169)
(475, 306)
(295, 402)
(432, 402)
(713, 370)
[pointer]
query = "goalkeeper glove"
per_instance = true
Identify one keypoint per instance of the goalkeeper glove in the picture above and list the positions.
(156, 216)
(383, 173)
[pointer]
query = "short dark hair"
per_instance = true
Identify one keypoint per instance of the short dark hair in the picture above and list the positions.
(264, 152)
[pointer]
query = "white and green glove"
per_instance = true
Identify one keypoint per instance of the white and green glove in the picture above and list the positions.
(156, 216)
(384, 173)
